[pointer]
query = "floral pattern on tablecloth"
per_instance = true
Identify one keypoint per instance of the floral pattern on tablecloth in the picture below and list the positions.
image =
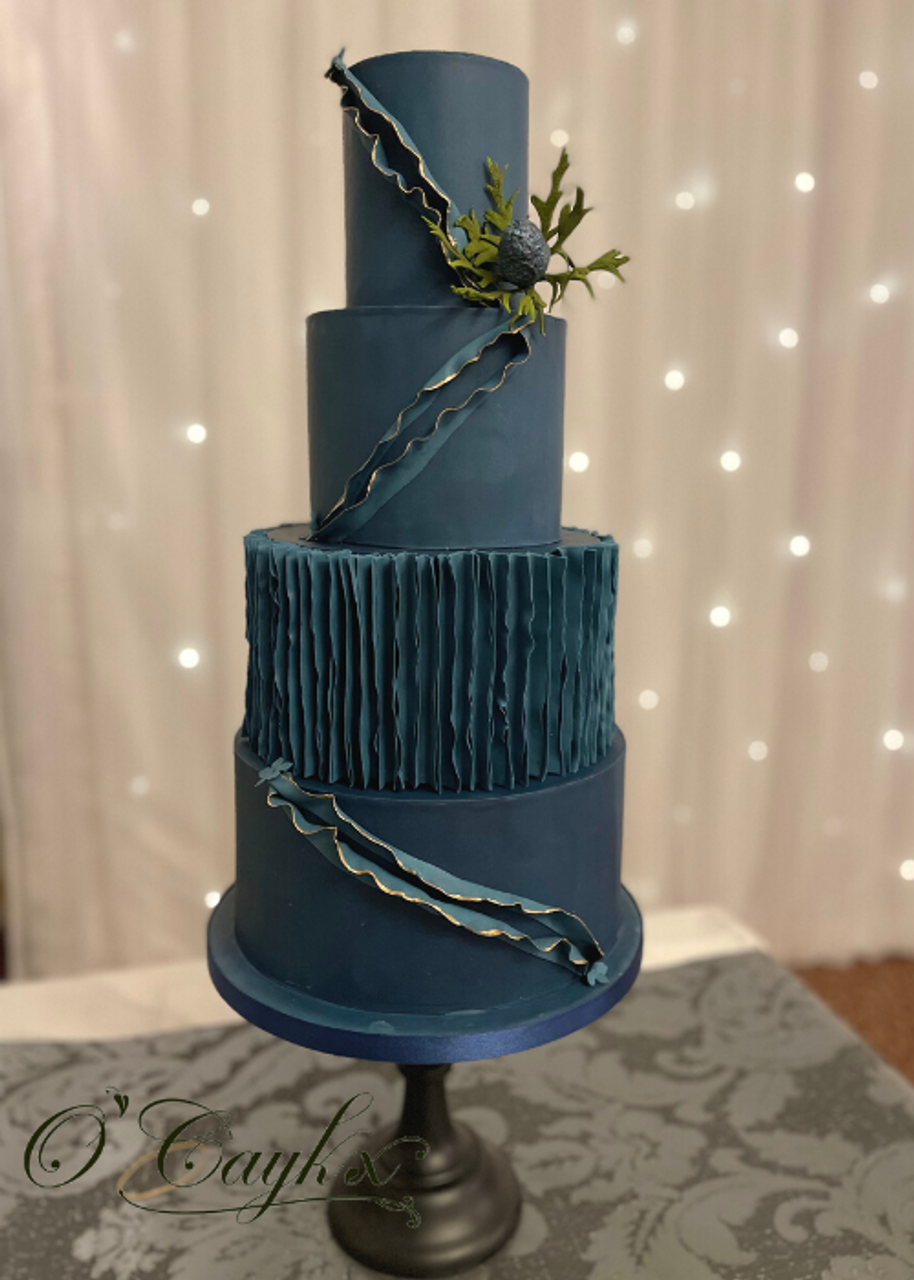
(719, 1123)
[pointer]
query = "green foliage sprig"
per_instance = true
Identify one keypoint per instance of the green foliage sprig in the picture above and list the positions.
(475, 262)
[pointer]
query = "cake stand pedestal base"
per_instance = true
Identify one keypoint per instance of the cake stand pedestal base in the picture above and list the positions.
(462, 1187)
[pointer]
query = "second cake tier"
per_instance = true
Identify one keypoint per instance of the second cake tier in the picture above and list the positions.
(496, 404)
(453, 671)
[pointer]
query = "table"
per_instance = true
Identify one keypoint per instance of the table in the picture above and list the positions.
(169, 997)
(719, 1123)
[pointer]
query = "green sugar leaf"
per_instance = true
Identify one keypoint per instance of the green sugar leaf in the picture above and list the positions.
(570, 218)
(612, 260)
(500, 217)
(481, 251)
(470, 224)
(474, 261)
(546, 208)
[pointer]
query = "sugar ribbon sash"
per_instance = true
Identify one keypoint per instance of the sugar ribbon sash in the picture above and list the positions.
(549, 933)
(450, 394)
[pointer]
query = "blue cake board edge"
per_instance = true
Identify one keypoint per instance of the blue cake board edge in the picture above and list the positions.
(292, 1014)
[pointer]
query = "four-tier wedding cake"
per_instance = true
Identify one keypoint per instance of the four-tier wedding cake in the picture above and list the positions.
(429, 778)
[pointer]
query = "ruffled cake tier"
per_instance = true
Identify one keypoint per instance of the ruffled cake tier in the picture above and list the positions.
(446, 670)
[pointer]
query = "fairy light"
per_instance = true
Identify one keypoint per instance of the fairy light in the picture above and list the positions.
(213, 898)
(895, 590)
(648, 699)
(674, 379)
(868, 79)
(579, 462)
(558, 138)
(788, 337)
(799, 545)
(818, 661)
(879, 293)
(200, 207)
(906, 870)
(893, 739)
(189, 658)
(642, 547)
(758, 750)
(627, 32)
(731, 461)
(804, 182)
(196, 433)
(720, 616)
(685, 200)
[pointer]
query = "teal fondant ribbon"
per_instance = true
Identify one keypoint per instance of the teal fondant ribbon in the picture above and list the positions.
(550, 933)
(404, 451)
(481, 366)
(393, 152)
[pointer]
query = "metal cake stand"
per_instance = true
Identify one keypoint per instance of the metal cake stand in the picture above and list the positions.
(461, 1198)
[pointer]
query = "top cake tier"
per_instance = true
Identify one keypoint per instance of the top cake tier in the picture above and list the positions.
(458, 108)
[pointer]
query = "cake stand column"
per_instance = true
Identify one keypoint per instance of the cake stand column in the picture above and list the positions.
(463, 1188)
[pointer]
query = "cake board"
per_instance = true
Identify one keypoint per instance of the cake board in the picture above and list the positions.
(463, 1199)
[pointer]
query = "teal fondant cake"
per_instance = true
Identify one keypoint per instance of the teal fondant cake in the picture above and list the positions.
(429, 776)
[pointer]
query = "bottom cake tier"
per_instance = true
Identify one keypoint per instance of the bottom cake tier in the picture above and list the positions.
(422, 903)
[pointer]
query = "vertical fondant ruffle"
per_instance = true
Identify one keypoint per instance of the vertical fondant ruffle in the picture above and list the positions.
(453, 671)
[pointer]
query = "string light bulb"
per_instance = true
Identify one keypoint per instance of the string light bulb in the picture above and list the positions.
(868, 79)
(648, 699)
(906, 870)
(893, 739)
(189, 658)
(196, 433)
(758, 750)
(731, 461)
(213, 898)
(200, 207)
(799, 545)
(879, 293)
(804, 182)
(788, 337)
(674, 379)
(558, 138)
(579, 462)
(720, 616)
(642, 547)
(685, 200)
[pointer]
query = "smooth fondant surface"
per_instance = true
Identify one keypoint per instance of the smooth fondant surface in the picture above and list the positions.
(366, 365)
(304, 922)
(458, 108)
(296, 1016)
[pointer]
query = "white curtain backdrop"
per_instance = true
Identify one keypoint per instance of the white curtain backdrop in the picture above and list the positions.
(125, 317)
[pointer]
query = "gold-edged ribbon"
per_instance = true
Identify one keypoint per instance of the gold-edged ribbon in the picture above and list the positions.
(480, 367)
(404, 451)
(549, 933)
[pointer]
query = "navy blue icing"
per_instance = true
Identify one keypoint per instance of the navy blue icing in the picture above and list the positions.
(422, 429)
(366, 366)
(458, 109)
(303, 922)
(546, 932)
(445, 670)
(402, 119)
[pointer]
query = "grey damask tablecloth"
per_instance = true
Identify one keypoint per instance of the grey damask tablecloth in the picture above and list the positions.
(718, 1123)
